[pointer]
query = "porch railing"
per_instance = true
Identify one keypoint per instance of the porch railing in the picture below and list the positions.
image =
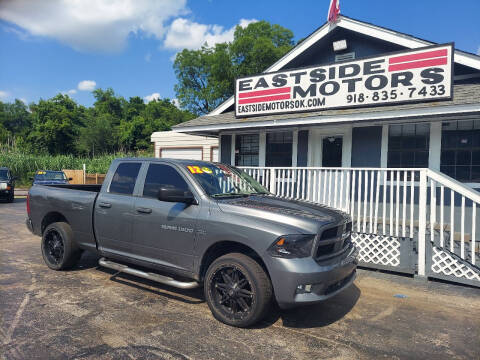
(405, 219)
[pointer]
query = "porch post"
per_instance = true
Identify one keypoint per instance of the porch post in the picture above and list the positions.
(262, 148)
(435, 145)
(232, 159)
(422, 222)
(384, 151)
(347, 147)
(294, 147)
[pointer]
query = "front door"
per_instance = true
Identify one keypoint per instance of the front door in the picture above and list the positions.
(164, 232)
(332, 151)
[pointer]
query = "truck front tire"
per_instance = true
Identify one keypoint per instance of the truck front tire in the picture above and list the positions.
(238, 290)
(58, 248)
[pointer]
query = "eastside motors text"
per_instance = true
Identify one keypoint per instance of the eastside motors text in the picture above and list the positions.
(414, 75)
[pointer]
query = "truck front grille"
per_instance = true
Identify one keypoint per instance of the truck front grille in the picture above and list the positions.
(333, 241)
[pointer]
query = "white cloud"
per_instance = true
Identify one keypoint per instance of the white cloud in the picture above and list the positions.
(71, 91)
(92, 25)
(4, 94)
(151, 97)
(184, 33)
(148, 57)
(176, 102)
(86, 85)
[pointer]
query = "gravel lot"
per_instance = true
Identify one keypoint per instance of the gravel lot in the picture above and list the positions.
(90, 313)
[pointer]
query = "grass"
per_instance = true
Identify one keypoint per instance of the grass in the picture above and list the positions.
(23, 166)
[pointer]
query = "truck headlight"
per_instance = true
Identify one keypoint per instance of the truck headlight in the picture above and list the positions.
(292, 246)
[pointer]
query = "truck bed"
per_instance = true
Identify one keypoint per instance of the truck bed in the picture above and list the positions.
(75, 203)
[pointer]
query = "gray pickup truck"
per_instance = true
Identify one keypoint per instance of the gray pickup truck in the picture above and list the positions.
(191, 223)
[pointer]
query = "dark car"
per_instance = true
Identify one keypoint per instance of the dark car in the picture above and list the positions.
(49, 177)
(7, 184)
(203, 224)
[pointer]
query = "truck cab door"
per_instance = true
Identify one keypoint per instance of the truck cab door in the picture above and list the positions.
(164, 232)
(114, 213)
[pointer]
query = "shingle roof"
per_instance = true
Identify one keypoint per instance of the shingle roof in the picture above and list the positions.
(462, 95)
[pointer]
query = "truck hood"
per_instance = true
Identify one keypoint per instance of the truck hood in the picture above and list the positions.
(299, 214)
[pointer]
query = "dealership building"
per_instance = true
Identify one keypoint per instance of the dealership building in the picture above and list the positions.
(364, 122)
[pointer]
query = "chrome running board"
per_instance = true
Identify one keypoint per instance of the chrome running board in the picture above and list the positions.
(148, 275)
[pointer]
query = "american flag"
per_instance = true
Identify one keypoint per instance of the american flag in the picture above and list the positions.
(333, 11)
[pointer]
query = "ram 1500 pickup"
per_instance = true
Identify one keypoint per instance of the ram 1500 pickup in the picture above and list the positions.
(188, 223)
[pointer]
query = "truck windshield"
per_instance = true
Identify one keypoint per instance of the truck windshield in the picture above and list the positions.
(3, 174)
(220, 180)
(50, 175)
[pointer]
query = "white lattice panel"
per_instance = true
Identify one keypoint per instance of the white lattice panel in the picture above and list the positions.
(377, 249)
(444, 263)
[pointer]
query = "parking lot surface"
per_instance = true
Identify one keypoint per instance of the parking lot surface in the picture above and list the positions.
(91, 313)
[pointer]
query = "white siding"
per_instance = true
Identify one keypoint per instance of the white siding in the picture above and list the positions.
(215, 154)
(165, 140)
(179, 153)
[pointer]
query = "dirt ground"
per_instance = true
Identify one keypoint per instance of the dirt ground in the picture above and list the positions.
(89, 313)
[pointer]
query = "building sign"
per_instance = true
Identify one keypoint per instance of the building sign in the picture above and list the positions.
(408, 76)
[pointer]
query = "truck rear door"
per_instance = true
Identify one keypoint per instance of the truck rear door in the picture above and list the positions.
(114, 211)
(164, 232)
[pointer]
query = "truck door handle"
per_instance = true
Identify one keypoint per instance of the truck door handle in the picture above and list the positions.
(144, 210)
(105, 205)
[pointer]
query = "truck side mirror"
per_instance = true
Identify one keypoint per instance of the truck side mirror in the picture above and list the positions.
(172, 194)
(70, 179)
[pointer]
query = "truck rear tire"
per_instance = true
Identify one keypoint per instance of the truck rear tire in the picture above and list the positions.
(238, 290)
(58, 248)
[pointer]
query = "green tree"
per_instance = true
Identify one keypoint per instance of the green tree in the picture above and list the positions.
(5, 135)
(206, 76)
(55, 125)
(203, 77)
(258, 46)
(60, 126)
(15, 117)
(106, 102)
(157, 115)
(96, 136)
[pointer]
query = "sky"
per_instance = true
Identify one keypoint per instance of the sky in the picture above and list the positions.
(76, 46)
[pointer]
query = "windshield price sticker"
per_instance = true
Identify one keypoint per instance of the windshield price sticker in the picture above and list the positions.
(199, 170)
(41, 172)
(408, 76)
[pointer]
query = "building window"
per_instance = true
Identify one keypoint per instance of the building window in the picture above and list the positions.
(246, 150)
(408, 145)
(279, 149)
(461, 150)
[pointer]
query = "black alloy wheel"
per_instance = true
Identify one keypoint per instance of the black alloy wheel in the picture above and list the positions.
(232, 292)
(59, 249)
(54, 247)
(238, 290)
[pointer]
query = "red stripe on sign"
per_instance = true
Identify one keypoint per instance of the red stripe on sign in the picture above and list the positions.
(264, 92)
(419, 56)
(418, 64)
(264, 99)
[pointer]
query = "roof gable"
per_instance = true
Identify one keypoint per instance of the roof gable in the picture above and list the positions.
(379, 39)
